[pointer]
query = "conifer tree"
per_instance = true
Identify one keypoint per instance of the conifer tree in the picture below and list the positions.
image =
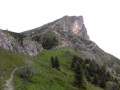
(88, 78)
(73, 62)
(52, 62)
(108, 77)
(56, 63)
(79, 76)
(87, 61)
(103, 83)
(95, 80)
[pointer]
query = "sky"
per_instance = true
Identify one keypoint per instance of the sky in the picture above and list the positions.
(101, 17)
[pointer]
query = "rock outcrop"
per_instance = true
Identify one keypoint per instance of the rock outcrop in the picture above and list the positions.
(72, 25)
(32, 48)
(24, 46)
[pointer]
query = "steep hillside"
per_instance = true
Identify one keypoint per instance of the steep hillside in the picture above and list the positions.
(50, 78)
(8, 61)
(70, 31)
(46, 77)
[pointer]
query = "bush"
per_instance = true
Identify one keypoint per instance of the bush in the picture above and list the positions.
(28, 70)
(49, 43)
(112, 86)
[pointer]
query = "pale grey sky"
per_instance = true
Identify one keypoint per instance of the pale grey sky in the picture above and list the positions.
(101, 17)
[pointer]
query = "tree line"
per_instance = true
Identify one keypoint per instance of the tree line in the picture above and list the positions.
(92, 72)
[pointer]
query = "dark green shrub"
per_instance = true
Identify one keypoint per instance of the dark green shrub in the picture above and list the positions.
(112, 86)
(49, 43)
(28, 70)
(55, 62)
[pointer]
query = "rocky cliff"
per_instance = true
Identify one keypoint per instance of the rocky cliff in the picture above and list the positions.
(71, 25)
(19, 43)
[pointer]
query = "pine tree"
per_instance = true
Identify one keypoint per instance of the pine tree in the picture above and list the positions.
(88, 78)
(56, 63)
(79, 77)
(103, 83)
(52, 62)
(108, 77)
(73, 62)
(80, 60)
(95, 80)
(87, 61)
(103, 70)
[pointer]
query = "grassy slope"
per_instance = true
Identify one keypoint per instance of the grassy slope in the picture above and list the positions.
(49, 78)
(8, 60)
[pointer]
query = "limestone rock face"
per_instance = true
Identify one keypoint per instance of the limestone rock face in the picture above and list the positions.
(72, 25)
(31, 47)
(26, 46)
(8, 42)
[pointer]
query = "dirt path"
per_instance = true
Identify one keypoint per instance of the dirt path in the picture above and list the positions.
(9, 83)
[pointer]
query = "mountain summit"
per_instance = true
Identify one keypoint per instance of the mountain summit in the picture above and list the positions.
(72, 25)
(67, 24)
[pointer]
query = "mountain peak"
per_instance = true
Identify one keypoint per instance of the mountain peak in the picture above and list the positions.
(73, 25)
(69, 25)
(73, 17)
